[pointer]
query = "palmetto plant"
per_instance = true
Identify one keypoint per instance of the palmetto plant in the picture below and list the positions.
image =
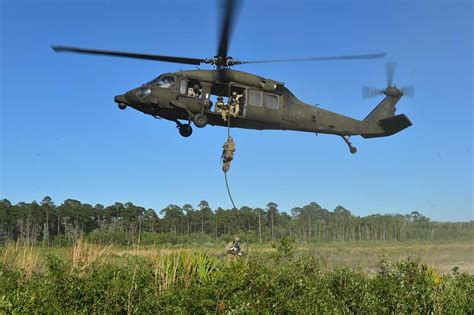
(184, 268)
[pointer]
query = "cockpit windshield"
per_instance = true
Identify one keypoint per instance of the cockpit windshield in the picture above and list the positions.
(164, 82)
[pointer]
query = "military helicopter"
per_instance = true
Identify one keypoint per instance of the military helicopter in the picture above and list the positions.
(264, 103)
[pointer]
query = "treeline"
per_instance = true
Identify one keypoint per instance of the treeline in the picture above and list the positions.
(126, 223)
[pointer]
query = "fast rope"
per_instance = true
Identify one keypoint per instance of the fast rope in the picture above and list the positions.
(224, 160)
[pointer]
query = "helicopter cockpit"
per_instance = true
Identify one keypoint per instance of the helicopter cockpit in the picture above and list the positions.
(163, 81)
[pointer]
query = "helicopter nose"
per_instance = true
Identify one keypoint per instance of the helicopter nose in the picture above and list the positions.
(120, 99)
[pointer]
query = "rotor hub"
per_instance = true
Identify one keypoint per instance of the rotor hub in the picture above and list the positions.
(223, 62)
(392, 91)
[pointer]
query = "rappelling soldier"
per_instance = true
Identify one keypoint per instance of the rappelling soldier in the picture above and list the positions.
(233, 248)
(234, 106)
(222, 108)
(228, 153)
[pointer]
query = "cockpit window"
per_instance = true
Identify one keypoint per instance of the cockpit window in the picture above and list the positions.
(165, 82)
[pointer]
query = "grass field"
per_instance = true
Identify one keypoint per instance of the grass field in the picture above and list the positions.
(363, 255)
(331, 277)
(442, 257)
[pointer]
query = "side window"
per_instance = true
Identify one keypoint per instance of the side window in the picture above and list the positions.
(272, 101)
(166, 82)
(194, 88)
(255, 98)
(183, 87)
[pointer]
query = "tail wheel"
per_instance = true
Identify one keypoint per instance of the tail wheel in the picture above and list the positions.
(201, 120)
(185, 130)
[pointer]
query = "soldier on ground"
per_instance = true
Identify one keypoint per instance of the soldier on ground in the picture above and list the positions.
(228, 153)
(233, 248)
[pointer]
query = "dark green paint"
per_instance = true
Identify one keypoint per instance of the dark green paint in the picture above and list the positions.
(292, 113)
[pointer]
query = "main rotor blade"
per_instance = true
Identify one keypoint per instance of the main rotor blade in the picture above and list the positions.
(348, 57)
(229, 8)
(191, 61)
(390, 72)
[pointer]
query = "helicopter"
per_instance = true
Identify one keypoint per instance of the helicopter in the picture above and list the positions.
(264, 104)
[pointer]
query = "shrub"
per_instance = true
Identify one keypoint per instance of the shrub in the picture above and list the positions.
(194, 282)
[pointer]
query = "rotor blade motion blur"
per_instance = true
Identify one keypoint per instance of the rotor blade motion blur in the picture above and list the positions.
(408, 90)
(347, 57)
(390, 72)
(368, 92)
(185, 60)
(222, 60)
(391, 89)
(229, 8)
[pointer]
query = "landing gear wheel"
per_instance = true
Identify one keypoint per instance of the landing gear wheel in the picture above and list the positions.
(201, 120)
(352, 148)
(185, 130)
(122, 106)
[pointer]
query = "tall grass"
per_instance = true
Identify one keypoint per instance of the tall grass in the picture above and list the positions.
(84, 254)
(21, 256)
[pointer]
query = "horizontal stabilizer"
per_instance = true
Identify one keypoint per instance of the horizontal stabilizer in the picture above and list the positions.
(390, 126)
(395, 124)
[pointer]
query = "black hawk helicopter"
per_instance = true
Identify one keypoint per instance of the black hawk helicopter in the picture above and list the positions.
(263, 103)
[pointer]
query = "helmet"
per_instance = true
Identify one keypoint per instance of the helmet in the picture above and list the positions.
(234, 93)
(196, 87)
(236, 239)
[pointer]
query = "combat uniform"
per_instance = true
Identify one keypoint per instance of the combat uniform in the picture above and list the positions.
(195, 92)
(233, 248)
(228, 154)
(234, 106)
(222, 108)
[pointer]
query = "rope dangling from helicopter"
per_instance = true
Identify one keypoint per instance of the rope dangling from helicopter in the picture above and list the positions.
(227, 157)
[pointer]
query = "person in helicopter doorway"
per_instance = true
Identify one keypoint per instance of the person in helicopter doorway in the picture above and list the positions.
(233, 248)
(234, 106)
(222, 108)
(196, 92)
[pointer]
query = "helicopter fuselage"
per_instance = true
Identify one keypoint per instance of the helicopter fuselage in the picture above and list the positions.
(264, 104)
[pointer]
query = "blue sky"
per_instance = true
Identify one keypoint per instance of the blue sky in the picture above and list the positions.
(63, 136)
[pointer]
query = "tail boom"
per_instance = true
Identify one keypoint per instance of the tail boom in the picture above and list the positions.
(383, 115)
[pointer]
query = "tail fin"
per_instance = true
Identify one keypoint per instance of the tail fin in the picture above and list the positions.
(384, 116)
(385, 109)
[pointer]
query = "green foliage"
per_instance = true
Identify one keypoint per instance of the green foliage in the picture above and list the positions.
(410, 287)
(126, 224)
(285, 247)
(194, 282)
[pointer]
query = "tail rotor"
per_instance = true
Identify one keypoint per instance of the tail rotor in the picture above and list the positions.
(408, 90)
(391, 89)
